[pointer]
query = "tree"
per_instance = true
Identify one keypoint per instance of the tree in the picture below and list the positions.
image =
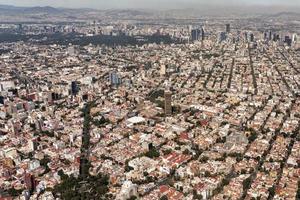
(298, 192)
(221, 140)
(48, 133)
(246, 183)
(164, 197)
(207, 174)
(186, 152)
(225, 181)
(252, 137)
(62, 175)
(132, 198)
(145, 173)
(204, 159)
(271, 191)
(196, 195)
(91, 187)
(13, 192)
(167, 151)
(44, 162)
(153, 153)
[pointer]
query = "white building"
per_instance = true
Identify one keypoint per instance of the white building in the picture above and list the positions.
(128, 190)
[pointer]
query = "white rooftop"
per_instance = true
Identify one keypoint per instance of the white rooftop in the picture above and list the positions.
(136, 120)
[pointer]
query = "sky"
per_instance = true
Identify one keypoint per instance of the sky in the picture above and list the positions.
(151, 4)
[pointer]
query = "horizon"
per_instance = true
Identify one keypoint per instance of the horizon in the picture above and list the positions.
(152, 5)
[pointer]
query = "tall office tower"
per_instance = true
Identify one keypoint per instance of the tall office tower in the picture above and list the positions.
(227, 28)
(20, 27)
(277, 37)
(114, 79)
(190, 28)
(294, 38)
(265, 36)
(168, 103)
(74, 88)
(251, 37)
(30, 182)
(270, 35)
(246, 36)
(196, 34)
(202, 34)
(1, 100)
(288, 40)
(222, 36)
(274, 37)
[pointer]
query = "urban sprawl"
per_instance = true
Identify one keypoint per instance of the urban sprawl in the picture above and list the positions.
(153, 111)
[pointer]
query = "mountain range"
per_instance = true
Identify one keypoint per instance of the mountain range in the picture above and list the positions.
(273, 12)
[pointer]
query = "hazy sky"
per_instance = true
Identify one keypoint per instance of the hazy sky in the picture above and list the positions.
(163, 4)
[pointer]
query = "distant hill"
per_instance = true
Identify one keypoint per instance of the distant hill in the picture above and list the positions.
(290, 13)
(8, 7)
(286, 14)
(15, 9)
(46, 9)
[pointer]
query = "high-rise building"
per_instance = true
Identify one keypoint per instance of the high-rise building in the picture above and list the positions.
(30, 182)
(20, 27)
(274, 37)
(246, 36)
(227, 28)
(1, 100)
(251, 37)
(115, 79)
(202, 34)
(196, 34)
(294, 38)
(265, 36)
(74, 88)
(288, 40)
(222, 36)
(168, 103)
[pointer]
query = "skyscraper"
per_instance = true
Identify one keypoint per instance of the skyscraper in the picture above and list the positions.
(251, 37)
(74, 88)
(222, 36)
(1, 100)
(294, 38)
(168, 103)
(202, 34)
(227, 28)
(20, 27)
(30, 182)
(274, 37)
(196, 34)
(288, 40)
(265, 36)
(114, 79)
(270, 35)
(246, 36)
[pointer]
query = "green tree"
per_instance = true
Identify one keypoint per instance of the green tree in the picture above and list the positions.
(152, 153)
(164, 197)
(132, 198)
(246, 183)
